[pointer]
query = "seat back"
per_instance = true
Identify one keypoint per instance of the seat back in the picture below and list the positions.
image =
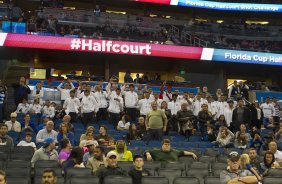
(125, 165)
(155, 180)
(170, 174)
(117, 179)
(186, 180)
(46, 164)
(212, 180)
(82, 180)
(18, 164)
(272, 180)
(18, 180)
(74, 172)
(275, 172)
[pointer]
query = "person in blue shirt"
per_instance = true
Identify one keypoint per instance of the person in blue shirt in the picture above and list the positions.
(64, 132)
(28, 124)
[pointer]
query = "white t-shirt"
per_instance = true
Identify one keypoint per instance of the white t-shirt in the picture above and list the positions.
(278, 156)
(24, 143)
(121, 125)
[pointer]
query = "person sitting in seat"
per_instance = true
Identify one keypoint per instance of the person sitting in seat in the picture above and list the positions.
(27, 141)
(122, 152)
(13, 124)
(166, 154)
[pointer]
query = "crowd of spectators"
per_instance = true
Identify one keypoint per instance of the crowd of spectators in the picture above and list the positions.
(227, 120)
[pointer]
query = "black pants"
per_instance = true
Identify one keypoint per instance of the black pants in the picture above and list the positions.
(155, 134)
(132, 113)
(114, 118)
(87, 118)
(101, 114)
(73, 116)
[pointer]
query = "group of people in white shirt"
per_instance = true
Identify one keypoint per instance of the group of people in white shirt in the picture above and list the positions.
(109, 104)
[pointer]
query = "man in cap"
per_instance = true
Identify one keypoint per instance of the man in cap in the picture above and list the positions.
(112, 167)
(90, 144)
(13, 124)
(233, 175)
(47, 152)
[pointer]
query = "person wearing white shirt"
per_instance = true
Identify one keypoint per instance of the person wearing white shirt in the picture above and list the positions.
(124, 123)
(101, 98)
(27, 141)
(81, 88)
(272, 146)
(48, 131)
(221, 105)
(197, 104)
(65, 91)
(145, 104)
(130, 101)
(228, 112)
(71, 106)
(174, 106)
(268, 111)
(115, 106)
(13, 124)
(151, 94)
(212, 106)
(23, 107)
(36, 107)
(48, 110)
(88, 106)
(38, 93)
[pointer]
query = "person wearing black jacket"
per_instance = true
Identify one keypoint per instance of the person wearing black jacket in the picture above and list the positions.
(204, 118)
(138, 171)
(241, 115)
(21, 91)
(257, 115)
(111, 169)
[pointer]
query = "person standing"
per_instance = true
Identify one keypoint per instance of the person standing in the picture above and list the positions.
(72, 106)
(3, 98)
(241, 115)
(156, 123)
(268, 111)
(21, 91)
(116, 106)
(88, 106)
(101, 98)
(65, 91)
(131, 101)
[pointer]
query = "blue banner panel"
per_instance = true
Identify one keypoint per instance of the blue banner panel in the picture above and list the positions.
(238, 56)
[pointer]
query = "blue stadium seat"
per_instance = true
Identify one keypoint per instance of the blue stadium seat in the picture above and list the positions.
(205, 144)
(189, 145)
(137, 143)
(195, 138)
(154, 144)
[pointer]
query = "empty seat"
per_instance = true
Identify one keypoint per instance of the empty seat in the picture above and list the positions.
(17, 172)
(46, 164)
(175, 165)
(152, 166)
(207, 159)
(186, 180)
(82, 180)
(211, 152)
(24, 149)
(117, 179)
(199, 165)
(212, 180)
(170, 174)
(18, 180)
(21, 156)
(187, 160)
(18, 164)
(275, 172)
(155, 180)
(5, 149)
(222, 159)
(125, 165)
(4, 155)
(216, 168)
(74, 172)
(272, 180)
(198, 173)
